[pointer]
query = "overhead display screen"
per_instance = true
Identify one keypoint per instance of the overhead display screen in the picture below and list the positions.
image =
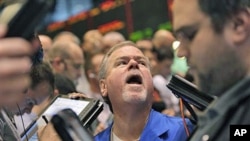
(135, 19)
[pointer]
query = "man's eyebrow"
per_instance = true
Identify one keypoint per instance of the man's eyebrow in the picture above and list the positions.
(183, 29)
(140, 57)
(121, 58)
(127, 57)
(179, 30)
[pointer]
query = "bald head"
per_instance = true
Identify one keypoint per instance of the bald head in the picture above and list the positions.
(163, 38)
(92, 34)
(92, 41)
(67, 36)
(67, 59)
(64, 49)
(144, 43)
(46, 42)
(112, 38)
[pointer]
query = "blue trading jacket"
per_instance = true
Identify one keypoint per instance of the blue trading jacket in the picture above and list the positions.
(159, 128)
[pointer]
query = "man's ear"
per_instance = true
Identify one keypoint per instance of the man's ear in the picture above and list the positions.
(241, 23)
(103, 87)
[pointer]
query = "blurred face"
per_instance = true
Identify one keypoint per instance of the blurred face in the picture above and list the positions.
(74, 66)
(96, 62)
(31, 97)
(211, 56)
(128, 79)
(10, 99)
(165, 67)
(152, 59)
(41, 92)
(24, 102)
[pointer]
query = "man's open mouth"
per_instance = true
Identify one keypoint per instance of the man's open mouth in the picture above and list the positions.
(134, 79)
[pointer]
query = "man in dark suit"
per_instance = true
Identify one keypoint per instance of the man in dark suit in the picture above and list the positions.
(216, 43)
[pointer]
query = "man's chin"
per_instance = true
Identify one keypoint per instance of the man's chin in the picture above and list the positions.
(135, 99)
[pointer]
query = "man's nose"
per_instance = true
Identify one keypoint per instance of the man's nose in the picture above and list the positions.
(182, 51)
(133, 64)
(78, 73)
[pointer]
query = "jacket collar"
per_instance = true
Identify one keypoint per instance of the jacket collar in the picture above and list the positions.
(155, 127)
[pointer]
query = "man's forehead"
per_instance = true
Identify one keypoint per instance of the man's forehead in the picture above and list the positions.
(127, 51)
(185, 12)
(77, 56)
(77, 60)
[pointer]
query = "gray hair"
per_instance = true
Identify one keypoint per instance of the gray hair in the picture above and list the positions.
(59, 49)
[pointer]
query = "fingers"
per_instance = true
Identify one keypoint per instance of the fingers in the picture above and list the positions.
(14, 75)
(48, 132)
(99, 128)
(3, 30)
(14, 85)
(14, 66)
(14, 47)
(77, 96)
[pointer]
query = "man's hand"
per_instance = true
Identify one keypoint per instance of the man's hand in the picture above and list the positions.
(77, 96)
(14, 65)
(48, 132)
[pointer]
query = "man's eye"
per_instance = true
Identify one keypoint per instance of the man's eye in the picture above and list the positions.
(190, 35)
(186, 35)
(142, 63)
(122, 63)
